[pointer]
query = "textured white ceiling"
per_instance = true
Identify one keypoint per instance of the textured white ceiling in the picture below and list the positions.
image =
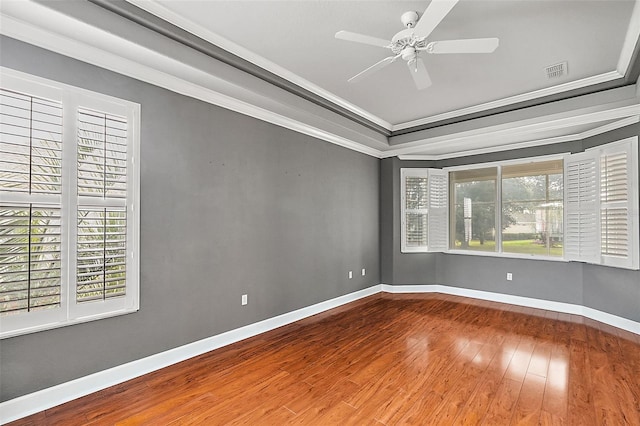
(296, 39)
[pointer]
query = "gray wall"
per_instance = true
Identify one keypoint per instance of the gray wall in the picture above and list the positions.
(616, 291)
(229, 205)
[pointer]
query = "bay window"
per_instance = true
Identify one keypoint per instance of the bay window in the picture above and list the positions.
(572, 207)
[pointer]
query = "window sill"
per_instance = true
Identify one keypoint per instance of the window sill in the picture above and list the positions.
(57, 324)
(508, 255)
(491, 254)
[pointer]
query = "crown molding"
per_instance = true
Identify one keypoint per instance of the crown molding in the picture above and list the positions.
(549, 91)
(469, 152)
(611, 126)
(500, 135)
(528, 144)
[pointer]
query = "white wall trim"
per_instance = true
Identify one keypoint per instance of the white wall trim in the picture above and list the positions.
(44, 399)
(465, 153)
(500, 135)
(572, 85)
(567, 308)
(611, 126)
(47, 398)
(539, 142)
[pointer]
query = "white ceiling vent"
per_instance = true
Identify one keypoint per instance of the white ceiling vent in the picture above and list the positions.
(557, 70)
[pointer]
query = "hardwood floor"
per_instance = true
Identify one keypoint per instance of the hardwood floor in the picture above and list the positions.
(391, 359)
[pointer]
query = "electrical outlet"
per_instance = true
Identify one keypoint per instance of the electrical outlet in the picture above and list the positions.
(350, 274)
(509, 276)
(245, 299)
(363, 272)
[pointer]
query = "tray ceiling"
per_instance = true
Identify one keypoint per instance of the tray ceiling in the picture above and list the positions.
(295, 40)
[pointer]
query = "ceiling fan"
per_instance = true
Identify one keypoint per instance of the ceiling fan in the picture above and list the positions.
(408, 44)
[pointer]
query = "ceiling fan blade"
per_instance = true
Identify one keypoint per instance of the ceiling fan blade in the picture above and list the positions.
(361, 38)
(419, 73)
(473, 45)
(375, 67)
(432, 16)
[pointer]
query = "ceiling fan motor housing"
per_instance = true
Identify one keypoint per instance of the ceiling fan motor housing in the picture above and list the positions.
(404, 39)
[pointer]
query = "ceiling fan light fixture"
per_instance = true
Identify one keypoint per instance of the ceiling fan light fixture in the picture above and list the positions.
(408, 53)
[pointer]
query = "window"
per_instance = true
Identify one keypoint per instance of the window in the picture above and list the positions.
(532, 208)
(68, 205)
(473, 212)
(424, 210)
(513, 207)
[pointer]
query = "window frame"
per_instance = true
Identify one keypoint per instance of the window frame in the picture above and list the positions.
(70, 311)
(498, 211)
(546, 200)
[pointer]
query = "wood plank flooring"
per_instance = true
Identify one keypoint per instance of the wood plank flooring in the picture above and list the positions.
(386, 360)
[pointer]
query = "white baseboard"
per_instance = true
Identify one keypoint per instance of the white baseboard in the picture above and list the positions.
(47, 398)
(568, 308)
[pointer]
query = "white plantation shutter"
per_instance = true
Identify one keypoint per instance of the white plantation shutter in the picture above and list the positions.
(30, 203)
(425, 202)
(618, 204)
(614, 208)
(68, 205)
(415, 205)
(101, 253)
(438, 210)
(102, 155)
(30, 144)
(601, 203)
(102, 215)
(581, 202)
(30, 263)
